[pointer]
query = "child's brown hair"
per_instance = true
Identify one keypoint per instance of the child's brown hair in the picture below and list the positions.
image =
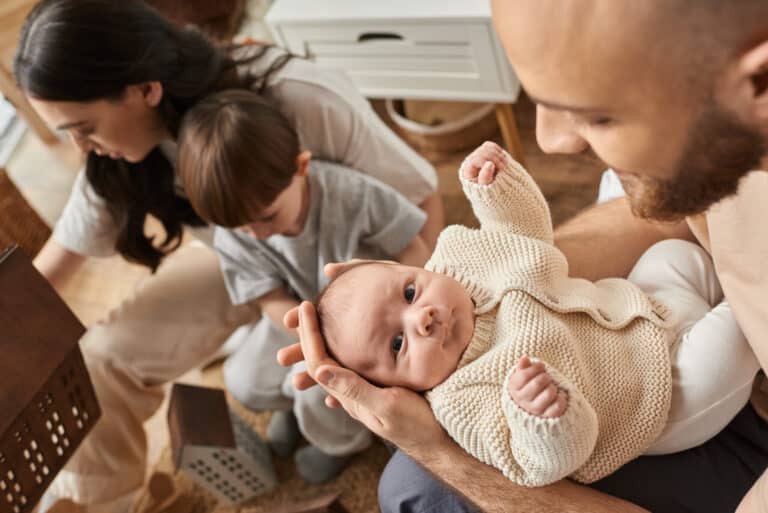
(237, 153)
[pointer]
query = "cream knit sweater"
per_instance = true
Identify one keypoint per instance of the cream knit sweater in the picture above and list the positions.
(605, 343)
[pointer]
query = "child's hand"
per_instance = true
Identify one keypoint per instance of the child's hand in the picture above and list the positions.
(481, 165)
(533, 389)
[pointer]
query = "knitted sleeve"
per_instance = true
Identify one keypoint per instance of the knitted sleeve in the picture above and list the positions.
(548, 450)
(512, 202)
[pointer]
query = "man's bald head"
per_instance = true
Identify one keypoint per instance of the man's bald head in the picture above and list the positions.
(671, 93)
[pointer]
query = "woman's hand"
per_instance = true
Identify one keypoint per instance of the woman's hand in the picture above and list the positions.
(399, 415)
(481, 165)
(534, 390)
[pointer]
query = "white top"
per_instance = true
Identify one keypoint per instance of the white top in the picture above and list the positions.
(340, 10)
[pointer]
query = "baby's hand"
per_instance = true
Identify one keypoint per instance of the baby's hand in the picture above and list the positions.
(533, 389)
(481, 165)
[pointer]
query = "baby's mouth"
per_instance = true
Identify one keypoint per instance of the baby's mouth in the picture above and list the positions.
(448, 324)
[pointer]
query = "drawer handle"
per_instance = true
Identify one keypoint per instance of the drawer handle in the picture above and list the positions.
(378, 36)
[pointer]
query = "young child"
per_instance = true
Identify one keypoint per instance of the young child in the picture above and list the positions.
(242, 168)
(538, 374)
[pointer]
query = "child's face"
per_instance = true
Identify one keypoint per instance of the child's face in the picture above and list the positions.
(286, 215)
(404, 327)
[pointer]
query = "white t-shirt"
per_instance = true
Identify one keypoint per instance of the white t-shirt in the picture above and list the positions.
(332, 120)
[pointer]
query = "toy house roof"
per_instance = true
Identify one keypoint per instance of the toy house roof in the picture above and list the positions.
(198, 416)
(37, 333)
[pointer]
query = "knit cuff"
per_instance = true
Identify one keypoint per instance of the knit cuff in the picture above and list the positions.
(513, 200)
(551, 449)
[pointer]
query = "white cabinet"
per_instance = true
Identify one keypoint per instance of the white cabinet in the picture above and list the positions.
(430, 49)
(415, 49)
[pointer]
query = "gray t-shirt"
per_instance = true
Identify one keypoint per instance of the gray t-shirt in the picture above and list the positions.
(350, 215)
(332, 120)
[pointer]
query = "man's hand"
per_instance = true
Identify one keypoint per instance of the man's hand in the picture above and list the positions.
(534, 390)
(401, 416)
(481, 165)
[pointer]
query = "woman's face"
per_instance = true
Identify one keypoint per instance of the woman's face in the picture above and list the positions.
(127, 128)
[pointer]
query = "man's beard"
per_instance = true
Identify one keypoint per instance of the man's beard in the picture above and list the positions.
(719, 152)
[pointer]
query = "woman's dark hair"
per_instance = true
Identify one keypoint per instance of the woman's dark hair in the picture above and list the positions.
(86, 50)
(237, 153)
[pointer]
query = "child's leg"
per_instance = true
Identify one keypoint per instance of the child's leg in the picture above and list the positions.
(712, 364)
(252, 374)
(334, 435)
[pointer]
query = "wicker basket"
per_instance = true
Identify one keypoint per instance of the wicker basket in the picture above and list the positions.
(442, 127)
(47, 399)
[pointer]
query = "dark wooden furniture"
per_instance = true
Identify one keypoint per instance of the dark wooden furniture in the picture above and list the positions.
(46, 396)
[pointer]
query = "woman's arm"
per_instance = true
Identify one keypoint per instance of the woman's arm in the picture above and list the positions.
(433, 207)
(57, 263)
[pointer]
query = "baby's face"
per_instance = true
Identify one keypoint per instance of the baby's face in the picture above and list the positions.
(404, 326)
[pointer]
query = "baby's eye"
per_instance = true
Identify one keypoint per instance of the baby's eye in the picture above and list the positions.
(410, 293)
(397, 343)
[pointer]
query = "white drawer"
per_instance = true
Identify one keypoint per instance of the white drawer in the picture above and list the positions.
(450, 59)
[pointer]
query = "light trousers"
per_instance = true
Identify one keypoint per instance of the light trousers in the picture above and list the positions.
(176, 320)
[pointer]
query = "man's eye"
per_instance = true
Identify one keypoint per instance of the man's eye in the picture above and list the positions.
(410, 293)
(397, 343)
(82, 134)
(603, 121)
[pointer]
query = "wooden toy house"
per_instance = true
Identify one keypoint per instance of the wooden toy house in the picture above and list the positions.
(47, 401)
(216, 448)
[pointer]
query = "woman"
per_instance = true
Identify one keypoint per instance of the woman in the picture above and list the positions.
(117, 77)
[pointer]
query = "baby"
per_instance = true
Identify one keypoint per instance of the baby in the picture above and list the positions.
(538, 374)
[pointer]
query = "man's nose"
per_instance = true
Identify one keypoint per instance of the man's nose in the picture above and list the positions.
(556, 133)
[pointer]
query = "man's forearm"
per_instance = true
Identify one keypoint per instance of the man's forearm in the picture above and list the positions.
(607, 240)
(416, 253)
(491, 492)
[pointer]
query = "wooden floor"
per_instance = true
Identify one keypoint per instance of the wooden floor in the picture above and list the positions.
(45, 174)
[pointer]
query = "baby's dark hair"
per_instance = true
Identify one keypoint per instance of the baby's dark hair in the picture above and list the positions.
(237, 153)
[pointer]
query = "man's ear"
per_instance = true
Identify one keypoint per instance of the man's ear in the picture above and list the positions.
(753, 65)
(336, 269)
(302, 162)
